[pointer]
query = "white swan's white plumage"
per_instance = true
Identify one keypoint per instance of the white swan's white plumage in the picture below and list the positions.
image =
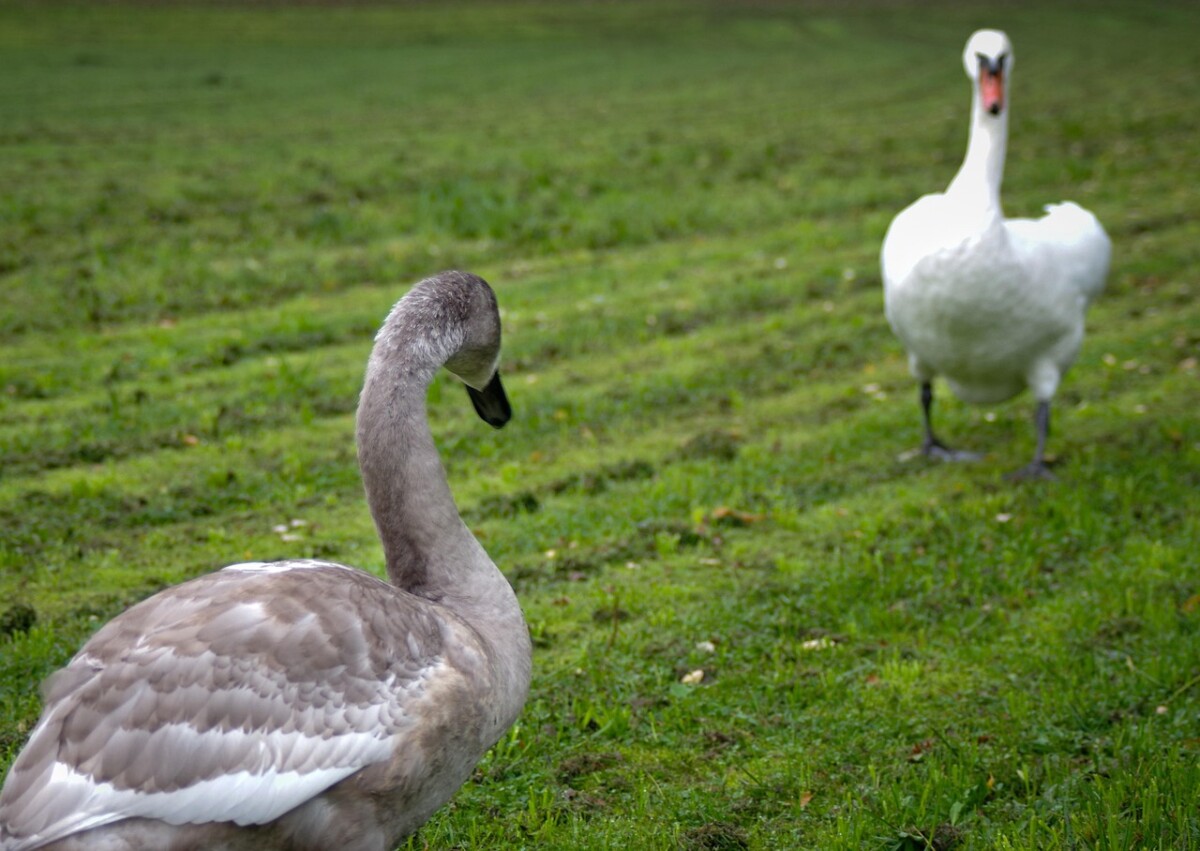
(993, 305)
(301, 705)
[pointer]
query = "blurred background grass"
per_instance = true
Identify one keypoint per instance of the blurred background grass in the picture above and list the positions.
(206, 210)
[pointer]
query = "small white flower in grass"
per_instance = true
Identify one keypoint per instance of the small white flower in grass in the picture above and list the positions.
(297, 523)
(781, 263)
(1109, 360)
(1139, 409)
(632, 565)
(1003, 518)
(551, 553)
(289, 538)
(280, 529)
(870, 388)
(1129, 365)
(990, 416)
(848, 274)
(693, 677)
(821, 643)
(1161, 710)
(827, 306)
(706, 647)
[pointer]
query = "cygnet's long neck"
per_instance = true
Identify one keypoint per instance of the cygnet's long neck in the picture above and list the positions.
(978, 180)
(427, 547)
(406, 485)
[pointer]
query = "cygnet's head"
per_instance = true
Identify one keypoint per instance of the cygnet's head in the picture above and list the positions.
(988, 60)
(451, 320)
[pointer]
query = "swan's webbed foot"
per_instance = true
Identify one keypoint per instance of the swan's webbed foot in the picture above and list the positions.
(1034, 471)
(931, 447)
(1037, 469)
(935, 449)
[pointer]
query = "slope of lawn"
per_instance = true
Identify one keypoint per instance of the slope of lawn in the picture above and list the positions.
(759, 622)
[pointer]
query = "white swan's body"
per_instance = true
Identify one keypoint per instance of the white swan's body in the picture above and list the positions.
(993, 305)
(300, 705)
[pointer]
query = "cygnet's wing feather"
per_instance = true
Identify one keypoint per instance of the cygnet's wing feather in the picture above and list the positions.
(234, 697)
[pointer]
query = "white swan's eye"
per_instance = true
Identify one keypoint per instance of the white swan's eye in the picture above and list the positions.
(992, 66)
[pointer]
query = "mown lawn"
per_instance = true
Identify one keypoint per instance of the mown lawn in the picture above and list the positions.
(206, 211)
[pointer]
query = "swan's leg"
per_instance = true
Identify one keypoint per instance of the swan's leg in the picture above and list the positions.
(931, 447)
(1037, 469)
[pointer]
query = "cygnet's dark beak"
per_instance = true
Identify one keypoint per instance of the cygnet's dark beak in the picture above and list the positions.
(491, 403)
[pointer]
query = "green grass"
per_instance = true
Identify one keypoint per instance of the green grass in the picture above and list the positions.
(206, 211)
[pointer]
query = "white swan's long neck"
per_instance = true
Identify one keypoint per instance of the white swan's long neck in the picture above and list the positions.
(978, 180)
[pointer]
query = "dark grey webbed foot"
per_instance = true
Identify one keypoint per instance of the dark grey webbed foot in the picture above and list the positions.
(1034, 471)
(941, 452)
(931, 447)
(1037, 469)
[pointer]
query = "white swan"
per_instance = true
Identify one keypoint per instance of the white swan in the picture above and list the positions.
(992, 304)
(301, 704)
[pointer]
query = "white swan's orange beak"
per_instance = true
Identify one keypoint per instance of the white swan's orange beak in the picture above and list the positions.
(991, 88)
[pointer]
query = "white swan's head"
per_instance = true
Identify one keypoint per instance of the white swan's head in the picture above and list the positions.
(988, 60)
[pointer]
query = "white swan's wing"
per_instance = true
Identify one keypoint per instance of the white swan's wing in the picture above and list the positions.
(1066, 247)
(235, 697)
(912, 235)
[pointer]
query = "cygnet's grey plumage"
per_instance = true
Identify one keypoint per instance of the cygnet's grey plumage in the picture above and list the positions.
(301, 704)
(994, 305)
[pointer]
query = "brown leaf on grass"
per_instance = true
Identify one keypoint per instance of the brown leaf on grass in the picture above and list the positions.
(727, 516)
(717, 836)
(805, 799)
(1191, 603)
(918, 751)
(586, 763)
